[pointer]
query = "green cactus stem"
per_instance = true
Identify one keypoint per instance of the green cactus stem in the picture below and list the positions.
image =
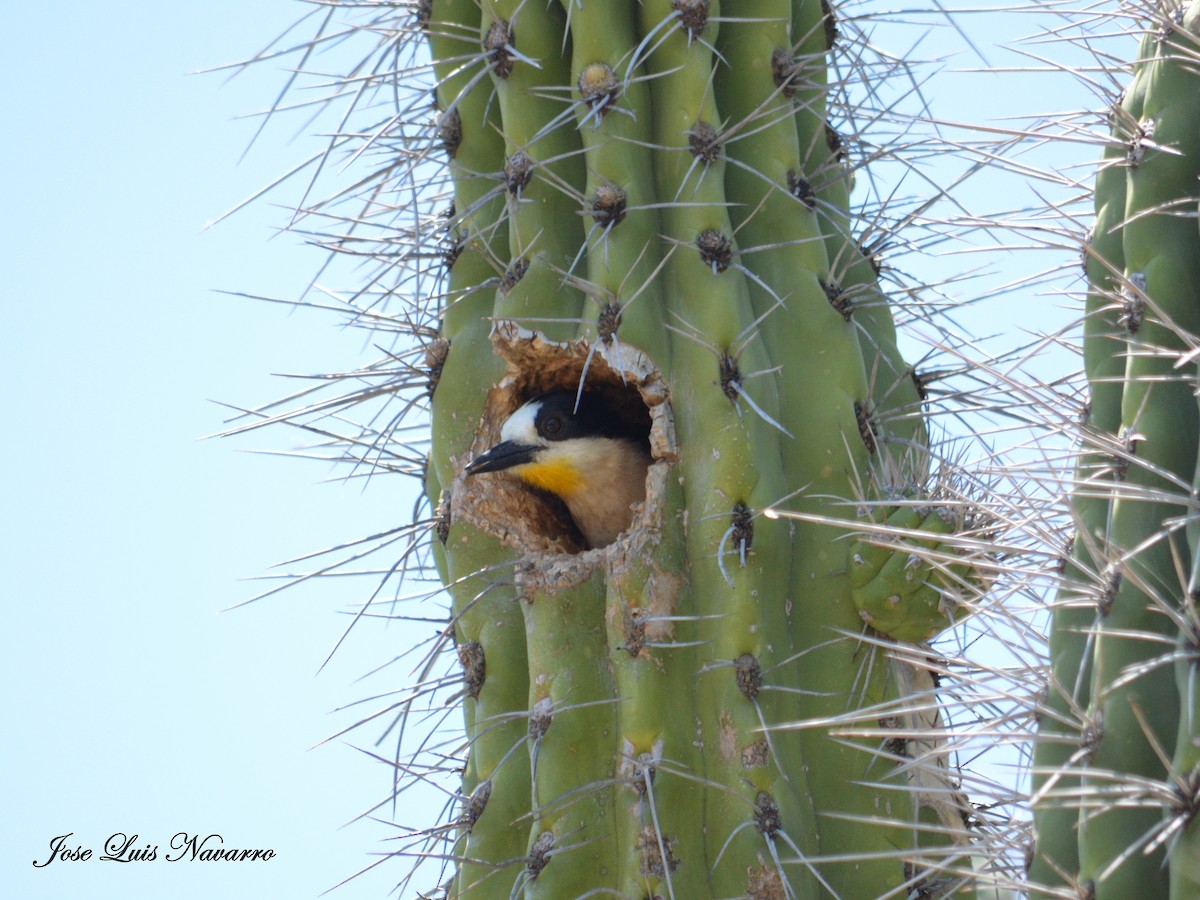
(662, 670)
(650, 204)
(1113, 683)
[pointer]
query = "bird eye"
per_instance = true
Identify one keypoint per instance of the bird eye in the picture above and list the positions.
(553, 425)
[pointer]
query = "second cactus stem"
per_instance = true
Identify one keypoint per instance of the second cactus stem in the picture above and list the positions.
(1117, 762)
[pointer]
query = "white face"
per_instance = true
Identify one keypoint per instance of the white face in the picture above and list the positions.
(519, 426)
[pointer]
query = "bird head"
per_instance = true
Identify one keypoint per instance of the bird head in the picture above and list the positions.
(585, 454)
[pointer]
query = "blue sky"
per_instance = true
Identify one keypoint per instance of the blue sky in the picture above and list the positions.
(133, 704)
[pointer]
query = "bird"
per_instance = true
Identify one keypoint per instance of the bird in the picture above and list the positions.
(580, 451)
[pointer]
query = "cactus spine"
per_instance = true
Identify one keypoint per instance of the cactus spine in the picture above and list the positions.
(1116, 777)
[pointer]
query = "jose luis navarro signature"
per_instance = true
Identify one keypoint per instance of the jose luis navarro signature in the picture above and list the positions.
(122, 847)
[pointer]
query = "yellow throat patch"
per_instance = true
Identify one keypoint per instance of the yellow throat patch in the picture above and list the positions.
(557, 475)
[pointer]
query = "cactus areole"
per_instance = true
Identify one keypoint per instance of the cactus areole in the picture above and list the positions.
(651, 216)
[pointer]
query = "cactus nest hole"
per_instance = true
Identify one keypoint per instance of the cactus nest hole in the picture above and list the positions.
(630, 388)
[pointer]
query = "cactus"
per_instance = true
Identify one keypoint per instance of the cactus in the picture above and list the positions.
(650, 204)
(1116, 772)
(674, 228)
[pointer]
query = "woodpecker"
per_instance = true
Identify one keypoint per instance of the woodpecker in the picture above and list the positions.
(595, 462)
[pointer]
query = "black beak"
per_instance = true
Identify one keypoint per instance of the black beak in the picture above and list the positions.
(504, 455)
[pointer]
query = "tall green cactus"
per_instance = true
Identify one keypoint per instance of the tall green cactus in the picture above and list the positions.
(734, 699)
(666, 201)
(1117, 763)
(651, 202)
